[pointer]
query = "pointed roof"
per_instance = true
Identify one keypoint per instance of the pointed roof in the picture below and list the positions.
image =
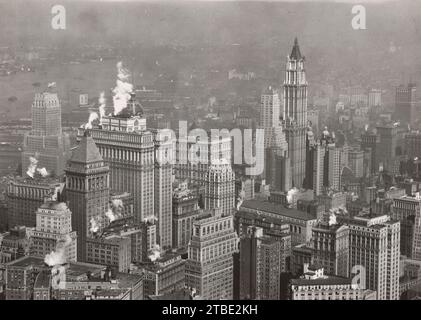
(86, 151)
(296, 53)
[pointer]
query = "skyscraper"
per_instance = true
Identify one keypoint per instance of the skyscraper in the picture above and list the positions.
(369, 143)
(54, 225)
(375, 246)
(220, 187)
(405, 103)
(25, 195)
(185, 209)
(259, 266)
(140, 163)
(315, 165)
(128, 149)
(331, 248)
(407, 210)
(87, 191)
(46, 142)
(277, 162)
(295, 113)
(164, 149)
(270, 111)
(209, 267)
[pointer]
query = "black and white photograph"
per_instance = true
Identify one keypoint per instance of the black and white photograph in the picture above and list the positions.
(207, 156)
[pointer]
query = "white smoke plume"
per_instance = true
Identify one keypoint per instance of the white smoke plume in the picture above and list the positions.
(102, 103)
(58, 257)
(332, 219)
(92, 117)
(110, 215)
(93, 225)
(366, 127)
(155, 253)
(32, 168)
(122, 90)
(240, 199)
(51, 85)
(33, 162)
(43, 172)
(291, 193)
(115, 210)
(118, 206)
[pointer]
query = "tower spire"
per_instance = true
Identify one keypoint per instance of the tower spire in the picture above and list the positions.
(296, 53)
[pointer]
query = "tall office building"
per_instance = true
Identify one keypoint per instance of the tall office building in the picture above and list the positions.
(220, 187)
(405, 104)
(375, 246)
(369, 141)
(387, 146)
(25, 195)
(277, 162)
(295, 113)
(185, 209)
(164, 159)
(407, 210)
(134, 156)
(413, 144)
(128, 148)
(270, 112)
(374, 98)
(259, 266)
(212, 150)
(332, 168)
(46, 142)
(54, 225)
(87, 191)
(315, 164)
(331, 248)
(209, 267)
(356, 162)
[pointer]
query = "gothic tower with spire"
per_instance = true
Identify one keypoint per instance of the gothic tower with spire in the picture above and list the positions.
(295, 113)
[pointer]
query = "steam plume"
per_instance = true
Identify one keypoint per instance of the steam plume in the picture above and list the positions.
(110, 215)
(291, 194)
(122, 90)
(92, 116)
(58, 256)
(155, 253)
(32, 168)
(101, 102)
(94, 227)
(240, 199)
(42, 171)
(33, 162)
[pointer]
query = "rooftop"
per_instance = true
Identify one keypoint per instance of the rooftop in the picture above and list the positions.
(278, 209)
(43, 280)
(27, 261)
(87, 151)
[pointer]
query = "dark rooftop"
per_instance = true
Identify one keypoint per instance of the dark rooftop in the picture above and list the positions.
(87, 151)
(277, 209)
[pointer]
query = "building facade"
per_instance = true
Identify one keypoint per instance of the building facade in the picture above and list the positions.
(209, 267)
(46, 142)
